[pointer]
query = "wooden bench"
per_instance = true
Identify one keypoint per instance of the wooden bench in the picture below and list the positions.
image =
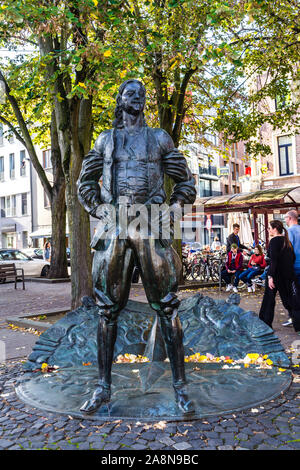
(9, 270)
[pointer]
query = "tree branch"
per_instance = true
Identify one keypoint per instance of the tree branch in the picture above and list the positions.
(27, 138)
(180, 104)
(13, 129)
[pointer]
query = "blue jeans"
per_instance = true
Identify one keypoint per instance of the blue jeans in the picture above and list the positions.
(263, 277)
(297, 272)
(227, 277)
(249, 274)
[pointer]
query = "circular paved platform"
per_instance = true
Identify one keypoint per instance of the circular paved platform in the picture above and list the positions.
(144, 391)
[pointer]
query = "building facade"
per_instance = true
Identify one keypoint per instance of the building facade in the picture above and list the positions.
(15, 194)
(25, 212)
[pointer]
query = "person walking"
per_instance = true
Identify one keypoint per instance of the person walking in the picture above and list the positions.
(291, 219)
(233, 266)
(256, 265)
(47, 252)
(234, 238)
(281, 276)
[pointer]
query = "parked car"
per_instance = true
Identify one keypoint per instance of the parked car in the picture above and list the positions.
(33, 252)
(31, 266)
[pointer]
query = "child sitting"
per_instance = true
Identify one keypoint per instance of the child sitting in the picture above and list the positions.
(234, 266)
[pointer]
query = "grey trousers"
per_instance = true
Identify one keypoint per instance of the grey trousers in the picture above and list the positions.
(114, 262)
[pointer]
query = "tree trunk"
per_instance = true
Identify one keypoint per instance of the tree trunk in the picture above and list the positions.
(59, 266)
(79, 220)
(168, 186)
(79, 228)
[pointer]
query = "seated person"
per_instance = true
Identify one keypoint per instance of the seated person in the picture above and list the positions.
(216, 244)
(262, 279)
(234, 266)
(256, 265)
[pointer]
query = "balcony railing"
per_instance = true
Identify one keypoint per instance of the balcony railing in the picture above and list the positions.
(208, 192)
(209, 170)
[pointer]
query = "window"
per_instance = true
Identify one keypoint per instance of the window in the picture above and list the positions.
(2, 210)
(235, 146)
(232, 171)
(1, 133)
(7, 255)
(13, 205)
(11, 138)
(1, 168)
(12, 165)
(24, 203)
(20, 256)
(22, 163)
(8, 206)
(285, 155)
(237, 171)
(47, 159)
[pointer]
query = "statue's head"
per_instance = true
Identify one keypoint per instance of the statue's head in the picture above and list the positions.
(131, 98)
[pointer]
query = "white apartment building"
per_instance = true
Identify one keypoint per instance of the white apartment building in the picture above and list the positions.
(23, 207)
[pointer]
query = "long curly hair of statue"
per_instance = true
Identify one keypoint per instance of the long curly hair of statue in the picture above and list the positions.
(118, 122)
(278, 225)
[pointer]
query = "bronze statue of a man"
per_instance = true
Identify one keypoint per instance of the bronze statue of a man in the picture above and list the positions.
(132, 160)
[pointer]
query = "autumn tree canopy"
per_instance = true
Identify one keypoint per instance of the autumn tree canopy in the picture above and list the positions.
(199, 60)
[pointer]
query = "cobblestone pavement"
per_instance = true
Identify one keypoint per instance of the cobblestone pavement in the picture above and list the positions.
(274, 425)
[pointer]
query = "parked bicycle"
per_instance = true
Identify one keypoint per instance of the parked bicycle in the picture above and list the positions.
(187, 266)
(208, 267)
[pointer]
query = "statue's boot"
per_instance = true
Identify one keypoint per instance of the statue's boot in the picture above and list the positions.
(106, 337)
(172, 334)
(181, 397)
(101, 396)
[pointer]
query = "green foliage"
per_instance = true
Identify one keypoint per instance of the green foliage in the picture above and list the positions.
(200, 61)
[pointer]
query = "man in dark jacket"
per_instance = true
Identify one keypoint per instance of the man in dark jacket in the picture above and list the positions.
(234, 238)
(132, 159)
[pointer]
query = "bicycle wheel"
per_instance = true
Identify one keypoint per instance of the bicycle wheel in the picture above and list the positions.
(214, 271)
(198, 272)
(187, 271)
(189, 276)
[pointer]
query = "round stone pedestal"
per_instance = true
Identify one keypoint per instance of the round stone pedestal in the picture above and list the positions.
(144, 391)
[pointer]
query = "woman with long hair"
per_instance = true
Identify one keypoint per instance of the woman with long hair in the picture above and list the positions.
(281, 275)
(256, 265)
(47, 252)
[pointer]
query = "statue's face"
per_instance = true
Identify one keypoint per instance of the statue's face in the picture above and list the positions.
(133, 99)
